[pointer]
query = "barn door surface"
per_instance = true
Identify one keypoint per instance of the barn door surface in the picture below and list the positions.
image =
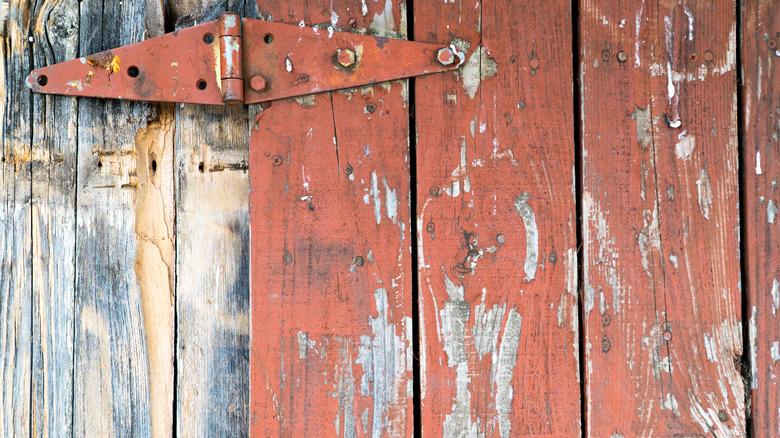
(571, 234)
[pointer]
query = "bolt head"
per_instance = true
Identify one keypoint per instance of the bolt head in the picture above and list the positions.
(258, 83)
(445, 56)
(346, 57)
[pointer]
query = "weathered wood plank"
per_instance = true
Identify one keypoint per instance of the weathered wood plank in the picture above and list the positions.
(54, 119)
(123, 243)
(15, 217)
(496, 223)
(212, 262)
(331, 281)
(760, 60)
(661, 219)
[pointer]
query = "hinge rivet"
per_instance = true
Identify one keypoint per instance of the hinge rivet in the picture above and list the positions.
(445, 56)
(346, 57)
(258, 83)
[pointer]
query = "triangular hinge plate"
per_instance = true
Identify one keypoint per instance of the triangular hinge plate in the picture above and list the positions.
(242, 60)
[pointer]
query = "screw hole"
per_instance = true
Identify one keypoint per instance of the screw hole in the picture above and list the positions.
(43, 80)
(208, 38)
(202, 84)
(268, 38)
(132, 71)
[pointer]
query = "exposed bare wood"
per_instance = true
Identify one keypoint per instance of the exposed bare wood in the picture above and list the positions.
(123, 270)
(212, 263)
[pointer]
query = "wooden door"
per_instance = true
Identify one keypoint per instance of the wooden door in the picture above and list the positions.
(570, 235)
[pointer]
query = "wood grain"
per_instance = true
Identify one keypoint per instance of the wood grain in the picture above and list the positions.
(53, 226)
(331, 287)
(661, 219)
(16, 218)
(212, 264)
(761, 24)
(116, 265)
(496, 223)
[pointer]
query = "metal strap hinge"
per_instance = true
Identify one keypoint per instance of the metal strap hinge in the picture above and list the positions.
(235, 60)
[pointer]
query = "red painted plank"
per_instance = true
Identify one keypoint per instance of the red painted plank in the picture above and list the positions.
(496, 220)
(660, 219)
(760, 60)
(331, 288)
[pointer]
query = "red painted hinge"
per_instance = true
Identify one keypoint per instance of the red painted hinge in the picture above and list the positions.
(220, 62)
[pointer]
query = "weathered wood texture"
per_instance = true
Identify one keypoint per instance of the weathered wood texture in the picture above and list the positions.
(15, 242)
(760, 60)
(496, 223)
(124, 219)
(660, 212)
(53, 226)
(212, 263)
(331, 280)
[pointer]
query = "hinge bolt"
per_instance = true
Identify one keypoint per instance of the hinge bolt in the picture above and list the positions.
(445, 56)
(258, 83)
(346, 58)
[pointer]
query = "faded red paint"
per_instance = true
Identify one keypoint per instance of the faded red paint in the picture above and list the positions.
(660, 219)
(761, 162)
(498, 304)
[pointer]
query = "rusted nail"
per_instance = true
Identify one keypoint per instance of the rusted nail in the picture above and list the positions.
(348, 170)
(277, 160)
(708, 56)
(430, 227)
(693, 58)
(371, 108)
(722, 416)
(534, 63)
(667, 335)
(352, 23)
(605, 320)
(605, 55)
(606, 344)
(434, 191)
(258, 83)
(445, 56)
(346, 57)
(622, 56)
(359, 261)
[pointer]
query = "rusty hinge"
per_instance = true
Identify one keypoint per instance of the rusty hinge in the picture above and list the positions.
(234, 60)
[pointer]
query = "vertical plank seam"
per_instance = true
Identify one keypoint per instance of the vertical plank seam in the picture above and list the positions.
(745, 359)
(414, 230)
(579, 219)
(31, 62)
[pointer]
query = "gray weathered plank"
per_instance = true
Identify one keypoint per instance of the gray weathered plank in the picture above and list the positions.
(53, 224)
(111, 387)
(15, 244)
(212, 260)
